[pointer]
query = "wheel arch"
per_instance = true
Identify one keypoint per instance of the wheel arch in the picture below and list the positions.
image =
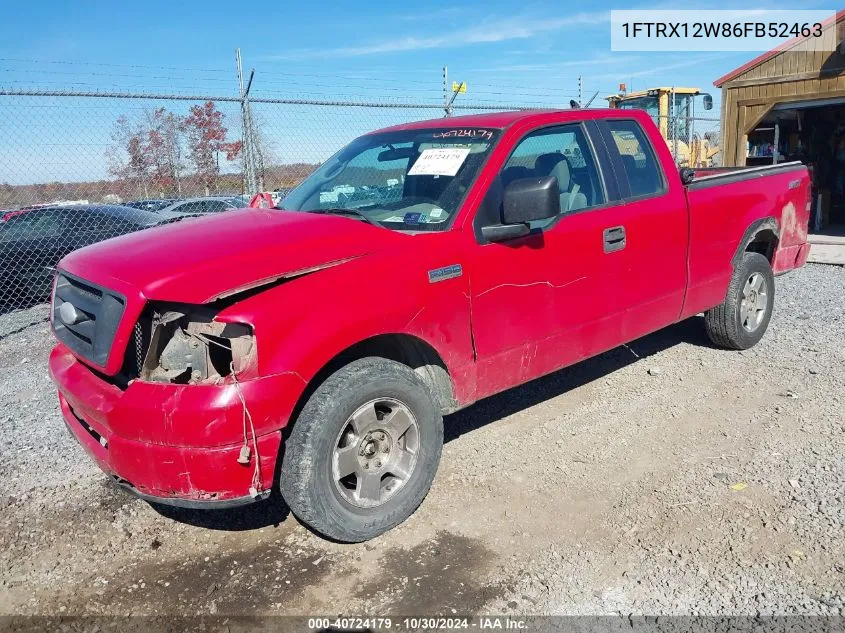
(762, 236)
(407, 349)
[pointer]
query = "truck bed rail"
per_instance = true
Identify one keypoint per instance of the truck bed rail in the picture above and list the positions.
(709, 176)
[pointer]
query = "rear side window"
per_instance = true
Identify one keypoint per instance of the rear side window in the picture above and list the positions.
(214, 206)
(645, 176)
(195, 206)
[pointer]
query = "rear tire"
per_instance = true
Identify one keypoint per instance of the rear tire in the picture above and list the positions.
(741, 321)
(363, 452)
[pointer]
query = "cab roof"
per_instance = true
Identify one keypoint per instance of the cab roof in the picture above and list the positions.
(496, 120)
(502, 120)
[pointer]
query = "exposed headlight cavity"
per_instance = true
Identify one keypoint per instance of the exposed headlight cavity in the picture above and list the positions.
(187, 346)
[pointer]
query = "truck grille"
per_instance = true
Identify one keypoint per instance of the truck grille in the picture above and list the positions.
(85, 317)
(136, 351)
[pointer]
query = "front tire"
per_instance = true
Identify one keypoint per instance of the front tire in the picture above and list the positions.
(363, 452)
(741, 321)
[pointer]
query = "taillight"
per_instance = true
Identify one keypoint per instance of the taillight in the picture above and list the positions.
(11, 214)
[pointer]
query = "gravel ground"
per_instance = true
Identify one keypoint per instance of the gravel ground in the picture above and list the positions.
(662, 477)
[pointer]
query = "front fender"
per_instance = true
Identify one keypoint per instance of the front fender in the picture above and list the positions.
(304, 323)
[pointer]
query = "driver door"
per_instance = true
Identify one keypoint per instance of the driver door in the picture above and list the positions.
(547, 299)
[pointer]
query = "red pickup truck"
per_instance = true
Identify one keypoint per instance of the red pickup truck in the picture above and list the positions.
(314, 349)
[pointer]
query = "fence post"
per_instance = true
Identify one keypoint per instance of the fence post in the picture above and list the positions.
(256, 159)
(250, 185)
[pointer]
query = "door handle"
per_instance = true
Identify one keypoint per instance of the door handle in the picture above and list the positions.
(614, 239)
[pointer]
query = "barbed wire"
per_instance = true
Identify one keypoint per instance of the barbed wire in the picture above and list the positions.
(235, 99)
(342, 80)
(106, 64)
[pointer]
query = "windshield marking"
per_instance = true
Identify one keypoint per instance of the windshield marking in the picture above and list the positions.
(473, 133)
(439, 162)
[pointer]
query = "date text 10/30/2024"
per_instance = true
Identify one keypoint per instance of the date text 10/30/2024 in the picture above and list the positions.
(481, 623)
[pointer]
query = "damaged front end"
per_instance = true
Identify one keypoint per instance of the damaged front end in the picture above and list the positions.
(181, 344)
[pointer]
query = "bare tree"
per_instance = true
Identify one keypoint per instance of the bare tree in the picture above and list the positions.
(163, 147)
(127, 158)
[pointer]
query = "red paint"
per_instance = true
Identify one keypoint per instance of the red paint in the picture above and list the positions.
(520, 309)
(263, 200)
(8, 215)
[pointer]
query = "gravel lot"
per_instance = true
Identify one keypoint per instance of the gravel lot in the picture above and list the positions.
(662, 477)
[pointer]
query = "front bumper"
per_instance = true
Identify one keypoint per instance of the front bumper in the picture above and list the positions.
(192, 504)
(175, 444)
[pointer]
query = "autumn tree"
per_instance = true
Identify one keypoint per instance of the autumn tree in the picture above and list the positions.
(149, 155)
(206, 141)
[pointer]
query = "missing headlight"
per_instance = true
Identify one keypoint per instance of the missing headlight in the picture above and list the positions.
(189, 346)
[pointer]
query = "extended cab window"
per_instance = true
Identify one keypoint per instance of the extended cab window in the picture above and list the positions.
(562, 152)
(638, 160)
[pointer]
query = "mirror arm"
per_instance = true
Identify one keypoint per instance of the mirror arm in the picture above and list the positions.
(501, 232)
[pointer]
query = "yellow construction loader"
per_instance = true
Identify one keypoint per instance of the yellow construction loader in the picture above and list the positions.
(673, 110)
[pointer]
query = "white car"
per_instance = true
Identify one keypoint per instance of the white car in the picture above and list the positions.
(212, 204)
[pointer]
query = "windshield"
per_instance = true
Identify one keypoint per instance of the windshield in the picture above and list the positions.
(649, 104)
(412, 180)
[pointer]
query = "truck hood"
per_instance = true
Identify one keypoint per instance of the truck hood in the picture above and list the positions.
(200, 260)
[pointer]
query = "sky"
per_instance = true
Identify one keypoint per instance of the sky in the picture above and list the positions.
(522, 54)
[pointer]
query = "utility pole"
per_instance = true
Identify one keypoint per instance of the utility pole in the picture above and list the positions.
(250, 181)
(673, 113)
(580, 92)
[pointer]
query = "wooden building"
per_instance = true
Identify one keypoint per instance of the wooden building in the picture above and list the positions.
(789, 104)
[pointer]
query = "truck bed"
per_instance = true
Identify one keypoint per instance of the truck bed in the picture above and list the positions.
(769, 198)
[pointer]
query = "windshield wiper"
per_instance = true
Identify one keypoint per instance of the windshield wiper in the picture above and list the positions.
(343, 211)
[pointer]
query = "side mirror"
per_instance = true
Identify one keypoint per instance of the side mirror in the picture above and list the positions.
(530, 199)
(707, 101)
(525, 200)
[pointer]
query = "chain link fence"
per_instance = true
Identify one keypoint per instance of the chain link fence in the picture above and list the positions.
(693, 141)
(80, 167)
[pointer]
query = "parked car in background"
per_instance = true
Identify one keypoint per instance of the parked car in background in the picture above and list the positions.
(241, 198)
(267, 199)
(151, 205)
(32, 241)
(192, 206)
